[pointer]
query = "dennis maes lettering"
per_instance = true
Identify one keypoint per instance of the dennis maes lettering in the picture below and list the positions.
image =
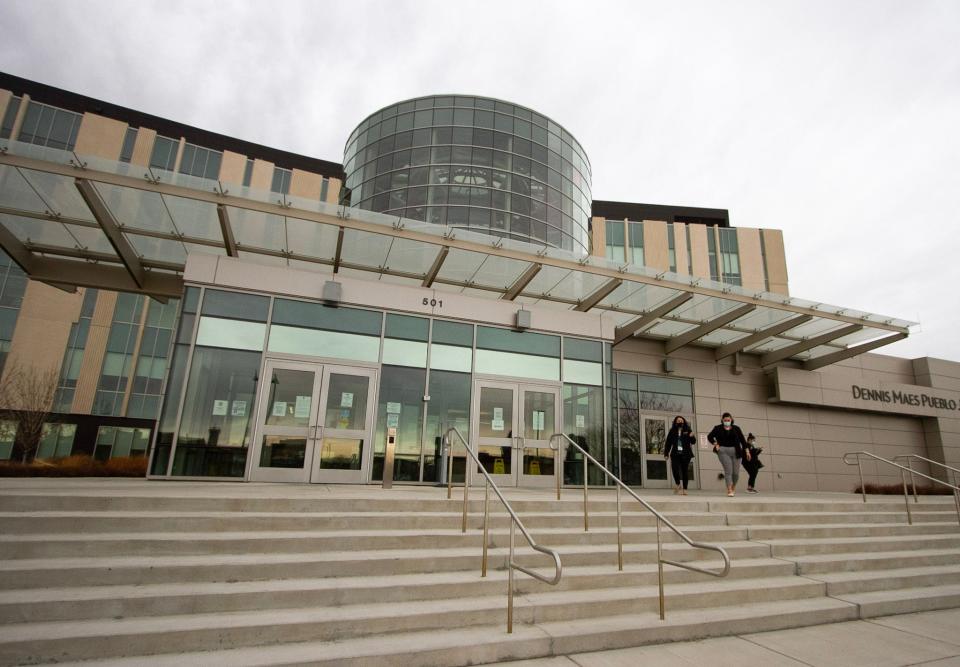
(903, 398)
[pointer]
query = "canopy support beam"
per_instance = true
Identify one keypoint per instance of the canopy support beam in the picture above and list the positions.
(745, 342)
(435, 267)
(228, 241)
(520, 283)
(840, 355)
(633, 326)
(111, 228)
(598, 295)
(771, 358)
(688, 337)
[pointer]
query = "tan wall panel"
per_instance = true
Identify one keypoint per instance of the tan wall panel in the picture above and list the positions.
(21, 113)
(43, 327)
(776, 260)
(232, 166)
(655, 247)
(599, 233)
(100, 136)
(680, 247)
(305, 184)
(143, 146)
(93, 353)
(5, 96)
(751, 259)
(262, 177)
(698, 250)
(333, 190)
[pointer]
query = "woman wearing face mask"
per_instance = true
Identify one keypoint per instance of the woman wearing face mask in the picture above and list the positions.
(679, 450)
(729, 445)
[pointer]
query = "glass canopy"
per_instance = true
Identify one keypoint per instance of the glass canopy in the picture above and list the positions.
(73, 220)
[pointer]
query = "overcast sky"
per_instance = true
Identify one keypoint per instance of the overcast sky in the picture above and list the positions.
(835, 121)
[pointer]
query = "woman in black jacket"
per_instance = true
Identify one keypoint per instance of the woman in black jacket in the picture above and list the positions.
(680, 442)
(730, 446)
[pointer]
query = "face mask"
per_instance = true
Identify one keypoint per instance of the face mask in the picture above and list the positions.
(726, 423)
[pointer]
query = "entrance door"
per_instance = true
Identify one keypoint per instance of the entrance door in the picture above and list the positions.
(313, 423)
(656, 469)
(511, 432)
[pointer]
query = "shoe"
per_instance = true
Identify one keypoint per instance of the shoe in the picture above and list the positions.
(729, 494)
(676, 490)
(752, 491)
(683, 493)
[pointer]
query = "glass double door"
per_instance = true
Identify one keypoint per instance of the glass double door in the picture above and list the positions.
(511, 432)
(313, 423)
(656, 469)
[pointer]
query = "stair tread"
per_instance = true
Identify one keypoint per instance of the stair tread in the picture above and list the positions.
(869, 539)
(912, 554)
(939, 590)
(866, 575)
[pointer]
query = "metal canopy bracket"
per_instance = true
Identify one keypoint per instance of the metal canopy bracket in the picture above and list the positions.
(769, 332)
(18, 252)
(804, 345)
(336, 257)
(228, 242)
(599, 295)
(103, 276)
(111, 228)
(640, 323)
(840, 355)
(435, 267)
(688, 337)
(520, 283)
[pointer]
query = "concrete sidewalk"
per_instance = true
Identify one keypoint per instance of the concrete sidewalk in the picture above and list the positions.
(928, 638)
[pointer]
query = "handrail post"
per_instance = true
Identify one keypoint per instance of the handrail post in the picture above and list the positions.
(619, 533)
(450, 466)
(466, 494)
(913, 480)
(486, 523)
(906, 497)
(956, 496)
(513, 529)
(559, 468)
(586, 521)
(863, 487)
(660, 571)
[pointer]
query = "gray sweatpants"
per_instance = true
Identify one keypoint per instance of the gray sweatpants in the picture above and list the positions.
(730, 463)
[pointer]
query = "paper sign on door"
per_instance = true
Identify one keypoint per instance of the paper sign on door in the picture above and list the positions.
(537, 420)
(346, 399)
(302, 408)
(497, 422)
(279, 409)
(239, 409)
(581, 421)
(220, 407)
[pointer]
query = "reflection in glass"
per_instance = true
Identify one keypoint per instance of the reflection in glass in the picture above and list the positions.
(291, 398)
(655, 435)
(538, 462)
(496, 412)
(400, 403)
(346, 402)
(583, 423)
(629, 440)
(341, 454)
(280, 451)
(449, 406)
(539, 414)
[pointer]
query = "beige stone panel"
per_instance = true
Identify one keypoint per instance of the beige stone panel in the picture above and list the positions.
(776, 260)
(831, 465)
(21, 114)
(785, 463)
(232, 166)
(746, 414)
(655, 247)
(942, 367)
(837, 483)
(680, 247)
(93, 353)
(894, 423)
(333, 190)
(751, 259)
(782, 429)
(840, 418)
(262, 175)
(743, 392)
(636, 363)
(305, 184)
(598, 236)
(795, 482)
(99, 136)
(706, 388)
(176, 164)
(43, 327)
(841, 434)
(698, 250)
(788, 413)
(886, 364)
(143, 146)
(788, 446)
(5, 97)
(708, 406)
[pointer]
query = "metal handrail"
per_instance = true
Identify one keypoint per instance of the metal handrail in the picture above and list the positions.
(913, 481)
(514, 524)
(903, 478)
(661, 561)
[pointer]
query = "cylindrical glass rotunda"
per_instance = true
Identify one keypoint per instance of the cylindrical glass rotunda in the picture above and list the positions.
(473, 163)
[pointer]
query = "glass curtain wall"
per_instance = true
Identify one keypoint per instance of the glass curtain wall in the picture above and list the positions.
(451, 363)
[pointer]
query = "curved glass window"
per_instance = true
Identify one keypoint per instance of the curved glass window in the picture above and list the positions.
(451, 143)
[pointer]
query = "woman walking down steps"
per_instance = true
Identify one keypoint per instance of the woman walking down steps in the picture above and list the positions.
(730, 446)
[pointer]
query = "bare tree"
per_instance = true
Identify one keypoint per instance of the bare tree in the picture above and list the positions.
(26, 397)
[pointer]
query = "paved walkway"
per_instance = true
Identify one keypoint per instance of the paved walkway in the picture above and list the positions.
(928, 638)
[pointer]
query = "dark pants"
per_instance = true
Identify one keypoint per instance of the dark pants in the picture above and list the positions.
(680, 465)
(752, 471)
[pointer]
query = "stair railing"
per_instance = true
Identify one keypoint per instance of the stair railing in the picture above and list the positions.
(903, 478)
(515, 523)
(952, 475)
(661, 561)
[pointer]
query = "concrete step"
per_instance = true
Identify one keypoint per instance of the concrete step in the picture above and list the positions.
(843, 583)
(189, 632)
(790, 548)
(156, 544)
(905, 600)
(830, 518)
(59, 572)
(763, 533)
(76, 603)
(488, 644)
(206, 522)
(746, 504)
(888, 560)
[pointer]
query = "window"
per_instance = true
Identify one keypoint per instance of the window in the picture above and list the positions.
(449, 406)
(712, 253)
(56, 440)
(13, 283)
(115, 372)
(403, 388)
(200, 162)
(324, 189)
(686, 229)
(73, 356)
(117, 441)
(671, 248)
(615, 240)
(763, 262)
(281, 181)
(6, 128)
(730, 256)
(152, 360)
(44, 125)
(8, 435)
(247, 173)
(164, 154)
(636, 244)
(129, 140)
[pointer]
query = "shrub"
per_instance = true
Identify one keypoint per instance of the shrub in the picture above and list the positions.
(76, 466)
(897, 490)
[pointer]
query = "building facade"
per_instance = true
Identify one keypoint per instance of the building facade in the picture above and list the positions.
(234, 312)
